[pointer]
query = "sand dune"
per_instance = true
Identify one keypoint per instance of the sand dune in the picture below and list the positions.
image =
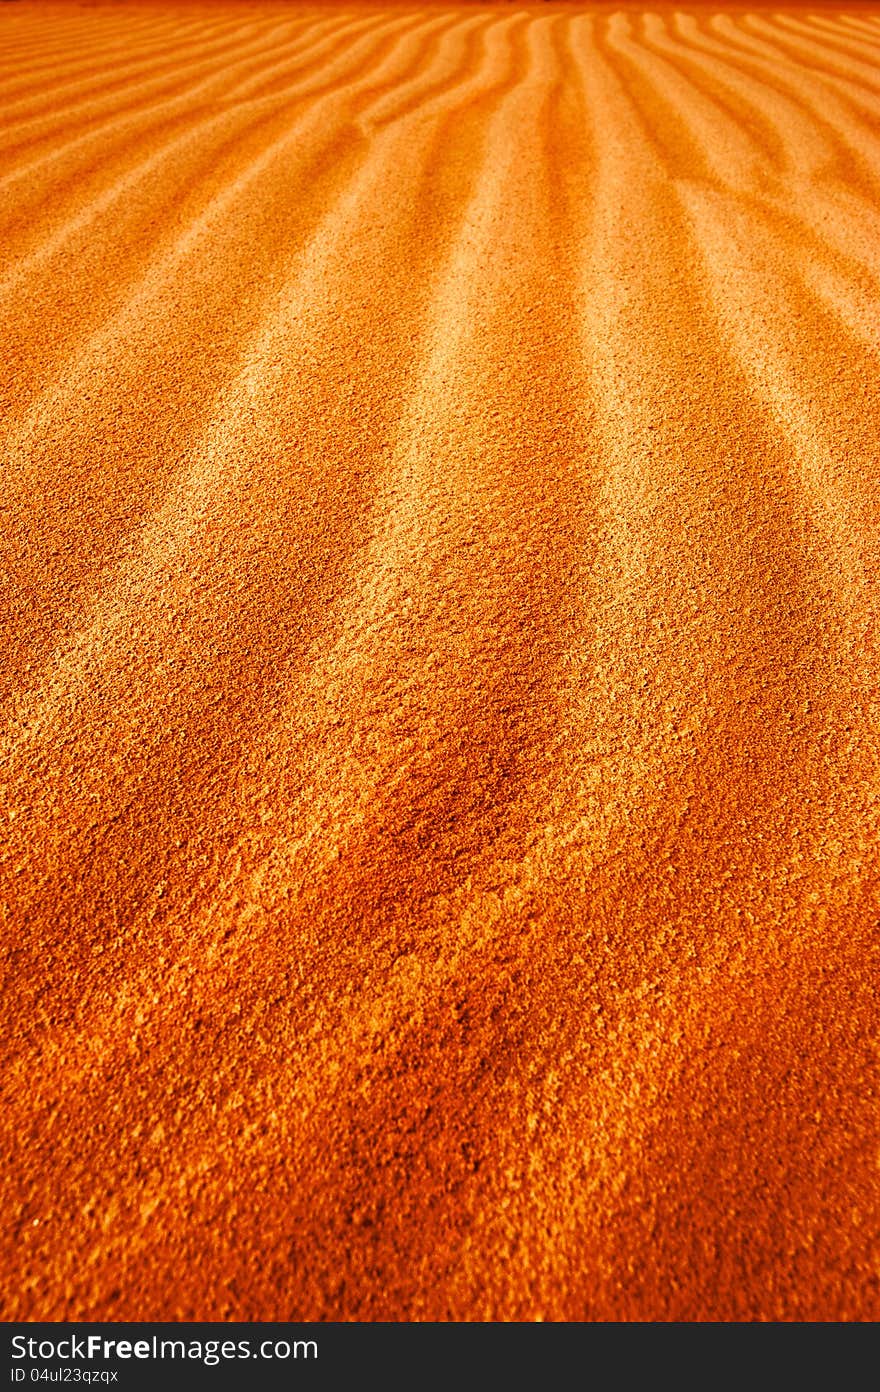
(440, 687)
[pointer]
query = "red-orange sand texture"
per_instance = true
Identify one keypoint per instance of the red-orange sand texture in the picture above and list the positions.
(439, 660)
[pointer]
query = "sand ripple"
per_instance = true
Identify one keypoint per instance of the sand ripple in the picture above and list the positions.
(440, 688)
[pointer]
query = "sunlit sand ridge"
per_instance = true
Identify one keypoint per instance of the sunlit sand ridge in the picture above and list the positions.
(440, 678)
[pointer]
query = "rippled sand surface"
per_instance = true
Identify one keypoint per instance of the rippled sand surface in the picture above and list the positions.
(439, 516)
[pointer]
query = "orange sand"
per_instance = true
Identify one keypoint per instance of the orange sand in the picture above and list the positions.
(439, 756)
